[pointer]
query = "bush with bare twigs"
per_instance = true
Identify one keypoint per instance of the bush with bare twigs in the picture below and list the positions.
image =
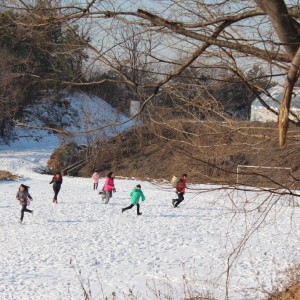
(290, 289)
(6, 175)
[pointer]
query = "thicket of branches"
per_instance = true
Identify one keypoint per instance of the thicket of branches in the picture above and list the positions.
(38, 54)
(151, 46)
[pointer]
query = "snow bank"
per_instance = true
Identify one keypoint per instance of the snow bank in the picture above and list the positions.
(78, 114)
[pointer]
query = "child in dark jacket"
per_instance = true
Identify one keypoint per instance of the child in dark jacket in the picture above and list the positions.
(180, 190)
(23, 196)
(57, 181)
(135, 195)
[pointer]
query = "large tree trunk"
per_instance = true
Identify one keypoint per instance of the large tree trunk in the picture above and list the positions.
(287, 30)
(284, 25)
(283, 117)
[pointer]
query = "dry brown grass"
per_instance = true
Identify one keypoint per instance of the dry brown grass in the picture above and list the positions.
(161, 151)
(6, 175)
(290, 293)
(291, 290)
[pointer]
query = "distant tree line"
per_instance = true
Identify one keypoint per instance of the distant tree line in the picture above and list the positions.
(229, 91)
(38, 56)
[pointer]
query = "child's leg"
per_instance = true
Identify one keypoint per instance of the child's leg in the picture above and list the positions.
(23, 207)
(128, 207)
(138, 209)
(56, 191)
(180, 199)
(27, 210)
(108, 196)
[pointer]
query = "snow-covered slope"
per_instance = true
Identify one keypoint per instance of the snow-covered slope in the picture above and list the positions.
(78, 113)
(116, 252)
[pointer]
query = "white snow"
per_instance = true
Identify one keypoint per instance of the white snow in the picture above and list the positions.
(83, 240)
(82, 113)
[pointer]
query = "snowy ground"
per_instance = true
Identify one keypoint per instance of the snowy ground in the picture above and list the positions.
(114, 252)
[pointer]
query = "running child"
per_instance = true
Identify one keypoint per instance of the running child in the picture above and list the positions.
(57, 181)
(23, 196)
(135, 195)
(180, 190)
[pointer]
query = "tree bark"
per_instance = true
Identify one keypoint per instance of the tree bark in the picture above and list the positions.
(284, 25)
(283, 117)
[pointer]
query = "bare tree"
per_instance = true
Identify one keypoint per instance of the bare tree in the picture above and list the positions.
(194, 33)
(201, 44)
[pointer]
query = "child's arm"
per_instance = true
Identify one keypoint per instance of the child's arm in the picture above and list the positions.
(143, 197)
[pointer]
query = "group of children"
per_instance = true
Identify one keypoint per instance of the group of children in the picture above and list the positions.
(108, 188)
(136, 194)
(24, 197)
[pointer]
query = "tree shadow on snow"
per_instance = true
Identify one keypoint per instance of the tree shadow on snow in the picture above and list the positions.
(182, 216)
(64, 221)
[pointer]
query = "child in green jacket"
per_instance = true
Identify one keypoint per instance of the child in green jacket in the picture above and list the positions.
(135, 195)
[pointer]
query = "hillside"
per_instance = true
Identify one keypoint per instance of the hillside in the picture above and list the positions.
(208, 152)
(76, 113)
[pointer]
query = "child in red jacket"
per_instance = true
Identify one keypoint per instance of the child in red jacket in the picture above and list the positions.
(180, 190)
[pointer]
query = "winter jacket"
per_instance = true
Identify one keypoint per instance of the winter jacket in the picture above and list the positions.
(96, 177)
(22, 197)
(109, 184)
(135, 195)
(181, 185)
(56, 180)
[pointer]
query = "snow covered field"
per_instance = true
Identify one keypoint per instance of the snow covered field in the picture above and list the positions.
(114, 252)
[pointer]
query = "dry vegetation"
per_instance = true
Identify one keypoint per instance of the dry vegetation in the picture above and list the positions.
(6, 175)
(208, 152)
(290, 293)
(291, 289)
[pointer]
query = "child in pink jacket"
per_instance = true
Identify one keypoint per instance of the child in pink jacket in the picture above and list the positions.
(109, 186)
(95, 179)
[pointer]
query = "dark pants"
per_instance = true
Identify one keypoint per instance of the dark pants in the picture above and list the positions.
(56, 189)
(179, 200)
(23, 209)
(131, 206)
(95, 186)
